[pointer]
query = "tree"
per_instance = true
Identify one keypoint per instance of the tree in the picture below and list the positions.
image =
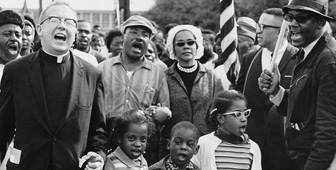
(205, 13)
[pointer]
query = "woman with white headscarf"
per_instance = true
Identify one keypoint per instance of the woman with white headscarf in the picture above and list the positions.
(191, 86)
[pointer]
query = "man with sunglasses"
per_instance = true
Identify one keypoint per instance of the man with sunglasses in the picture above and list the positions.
(310, 104)
(265, 125)
(52, 101)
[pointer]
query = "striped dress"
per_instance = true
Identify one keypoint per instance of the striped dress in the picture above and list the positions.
(233, 156)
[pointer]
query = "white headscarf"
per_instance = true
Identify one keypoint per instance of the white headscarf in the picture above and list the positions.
(194, 30)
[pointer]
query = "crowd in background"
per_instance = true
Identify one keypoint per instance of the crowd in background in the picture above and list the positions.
(143, 97)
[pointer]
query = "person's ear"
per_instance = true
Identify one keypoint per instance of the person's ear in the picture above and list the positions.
(220, 119)
(196, 149)
(39, 30)
(168, 144)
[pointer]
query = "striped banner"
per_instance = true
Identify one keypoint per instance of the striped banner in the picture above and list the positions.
(228, 31)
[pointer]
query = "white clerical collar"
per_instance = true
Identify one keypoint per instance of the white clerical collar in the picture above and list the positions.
(59, 57)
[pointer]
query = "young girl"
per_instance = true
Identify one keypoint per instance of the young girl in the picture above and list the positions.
(133, 129)
(228, 146)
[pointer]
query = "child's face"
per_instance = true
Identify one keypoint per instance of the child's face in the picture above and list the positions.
(230, 124)
(133, 142)
(183, 146)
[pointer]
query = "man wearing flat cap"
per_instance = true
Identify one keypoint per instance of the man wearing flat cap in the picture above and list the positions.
(265, 126)
(11, 25)
(310, 103)
(132, 82)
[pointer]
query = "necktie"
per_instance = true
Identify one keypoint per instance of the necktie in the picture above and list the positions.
(300, 54)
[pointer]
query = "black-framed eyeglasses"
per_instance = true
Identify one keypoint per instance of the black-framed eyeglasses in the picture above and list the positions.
(182, 43)
(239, 114)
(298, 18)
(57, 20)
(261, 27)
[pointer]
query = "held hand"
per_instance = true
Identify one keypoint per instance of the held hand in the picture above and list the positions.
(269, 82)
(161, 114)
(96, 162)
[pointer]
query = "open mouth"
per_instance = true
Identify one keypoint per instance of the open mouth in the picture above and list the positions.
(13, 48)
(137, 46)
(242, 128)
(296, 36)
(60, 37)
(182, 157)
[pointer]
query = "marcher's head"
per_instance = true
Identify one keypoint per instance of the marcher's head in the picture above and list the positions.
(307, 20)
(230, 113)
(28, 35)
(151, 54)
(183, 143)
(217, 46)
(57, 28)
(185, 44)
(84, 35)
(11, 25)
(137, 32)
(268, 27)
(133, 128)
(246, 30)
(114, 41)
(97, 42)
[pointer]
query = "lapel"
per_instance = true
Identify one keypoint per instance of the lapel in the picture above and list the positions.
(287, 57)
(77, 75)
(36, 83)
(172, 71)
(254, 68)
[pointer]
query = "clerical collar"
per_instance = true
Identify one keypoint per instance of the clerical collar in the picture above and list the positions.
(54, 58)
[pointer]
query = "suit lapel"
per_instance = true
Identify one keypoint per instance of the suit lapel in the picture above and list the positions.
(77, 75)
(286, 58)
(36, 82)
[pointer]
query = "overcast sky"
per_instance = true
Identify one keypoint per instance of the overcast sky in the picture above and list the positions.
(135, 5)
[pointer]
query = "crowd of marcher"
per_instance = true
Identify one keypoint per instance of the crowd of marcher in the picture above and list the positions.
(138, 97)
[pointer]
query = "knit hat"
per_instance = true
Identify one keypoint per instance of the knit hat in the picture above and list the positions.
(11, 17)
(246, 26)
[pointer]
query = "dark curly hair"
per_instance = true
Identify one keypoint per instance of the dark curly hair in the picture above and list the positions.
(221, 104)
(136, 117)
(110, 35)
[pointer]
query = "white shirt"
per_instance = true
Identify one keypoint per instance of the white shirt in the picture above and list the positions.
(266, 56)
(86, 56)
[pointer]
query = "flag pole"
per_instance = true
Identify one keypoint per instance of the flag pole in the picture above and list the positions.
(279, 41)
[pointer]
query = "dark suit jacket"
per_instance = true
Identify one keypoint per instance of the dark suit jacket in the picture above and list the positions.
(23, 106)
(312, 105)
(259, 102)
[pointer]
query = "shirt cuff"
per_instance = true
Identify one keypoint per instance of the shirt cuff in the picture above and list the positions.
(276, 100)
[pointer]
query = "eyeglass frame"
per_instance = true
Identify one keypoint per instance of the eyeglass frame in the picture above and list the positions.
(182, 43)
(261, 27)
(60, 20)
(298, 18)
(238, 112)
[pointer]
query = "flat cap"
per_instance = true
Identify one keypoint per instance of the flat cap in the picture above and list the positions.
(137, 20)
(11, 17)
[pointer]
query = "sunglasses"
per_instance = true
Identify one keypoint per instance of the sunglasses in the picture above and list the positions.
(182, 43)
(298, 18)
(261, 27)
(239, 114)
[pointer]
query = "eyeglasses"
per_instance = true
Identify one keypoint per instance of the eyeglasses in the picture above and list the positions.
(298, 18)
(261, 27)
(57, 20)
(239, 114)
(182, 43)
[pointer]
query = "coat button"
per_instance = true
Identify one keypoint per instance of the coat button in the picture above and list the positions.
(55, 139)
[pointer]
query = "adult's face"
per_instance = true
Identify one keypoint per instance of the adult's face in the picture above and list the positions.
(244, 44)
(98, 44)
(84, 36)
(150, 55)
(10, 42)
(58, 37)
(184, 49)
(267, 30)
(27, 37)
(135, 42)
(116, 45)
(304, 30)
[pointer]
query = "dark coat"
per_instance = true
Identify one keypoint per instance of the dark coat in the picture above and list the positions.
(23, 106)
(258, 101)
(311, 104)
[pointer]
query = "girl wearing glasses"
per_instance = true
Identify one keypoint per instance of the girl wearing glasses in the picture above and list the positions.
(228, 146)
(192, 87)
